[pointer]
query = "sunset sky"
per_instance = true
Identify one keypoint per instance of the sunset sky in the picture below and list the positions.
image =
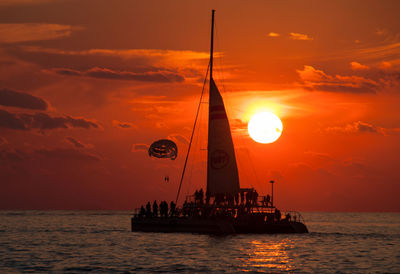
(86, 86)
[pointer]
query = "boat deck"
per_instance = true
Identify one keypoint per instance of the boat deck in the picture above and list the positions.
(226, 219)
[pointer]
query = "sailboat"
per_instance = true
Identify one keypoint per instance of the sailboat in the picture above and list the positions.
(221, 210)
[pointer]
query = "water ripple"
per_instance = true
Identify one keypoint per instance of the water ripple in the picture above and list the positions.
(101, 242)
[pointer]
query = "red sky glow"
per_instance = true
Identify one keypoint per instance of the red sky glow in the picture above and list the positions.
(86, 86)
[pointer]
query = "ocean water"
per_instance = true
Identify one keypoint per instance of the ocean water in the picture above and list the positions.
(99, 241)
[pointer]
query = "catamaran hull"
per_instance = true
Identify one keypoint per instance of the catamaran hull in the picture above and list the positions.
(205, 226)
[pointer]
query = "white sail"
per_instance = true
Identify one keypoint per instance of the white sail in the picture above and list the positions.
(222, 172)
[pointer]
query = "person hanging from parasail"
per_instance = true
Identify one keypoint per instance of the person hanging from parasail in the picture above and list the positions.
(164, 148)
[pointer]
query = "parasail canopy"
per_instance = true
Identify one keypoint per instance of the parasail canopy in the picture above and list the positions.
(163, 148)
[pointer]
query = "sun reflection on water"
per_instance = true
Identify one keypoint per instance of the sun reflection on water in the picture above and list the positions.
(268, 256)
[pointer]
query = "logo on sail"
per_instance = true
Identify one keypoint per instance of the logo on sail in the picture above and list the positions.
(219, 159)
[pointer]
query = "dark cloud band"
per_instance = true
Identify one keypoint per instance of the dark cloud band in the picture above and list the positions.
(14, 98)
(103, 73)
(41, 121)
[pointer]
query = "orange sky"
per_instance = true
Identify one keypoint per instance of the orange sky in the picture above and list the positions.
(86, 86)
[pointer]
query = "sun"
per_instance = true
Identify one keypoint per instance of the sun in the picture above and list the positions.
(265, 127)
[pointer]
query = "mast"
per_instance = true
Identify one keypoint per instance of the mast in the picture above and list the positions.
(212, 44)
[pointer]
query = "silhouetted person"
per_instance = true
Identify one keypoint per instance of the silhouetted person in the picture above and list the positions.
(216, 199)
(255, 197)
(142, 212)
(184, 208)
(163, 209)
(201, 196)
(166, 208)
(208, 196)
(172, 207)
(155, 208)
(148, 209)
(248, 197)
(288, 217)
(278, 214)
(268, 199)
(242, 197)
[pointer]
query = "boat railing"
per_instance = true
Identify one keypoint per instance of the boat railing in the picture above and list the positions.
(293, 216)
(190, 199)
(255, 208)
(260, 200)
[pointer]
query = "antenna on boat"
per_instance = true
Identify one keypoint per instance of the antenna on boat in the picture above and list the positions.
(272, 192)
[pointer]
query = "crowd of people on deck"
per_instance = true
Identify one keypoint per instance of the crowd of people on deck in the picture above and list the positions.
(249, 198)
(222, 205)
(157, 210)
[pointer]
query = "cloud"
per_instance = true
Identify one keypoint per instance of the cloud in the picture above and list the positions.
(119, 124)
(381, 32)
(273, 34)
(15, 155)
(139, 147)
(300, 36)
(178, 138)
(41, 121)
(367, 52)
(164, 76)
(77, 143)
(104, 73)
(314, 79)
(310, 74)
(23, 2)
(388, 51)
(358, 66)
(363, 127)
(3, 141)
(356, 127)
(11, 121)
(161, 125)
(385, 65)
(15, 33)
(318, 155)
(190, 65)
(159, 55)
(67, 154)
(14, 98)
(12, 155)
(189, 61)
(389, 78)
(238, 125)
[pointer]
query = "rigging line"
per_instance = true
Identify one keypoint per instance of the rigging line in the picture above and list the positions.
(191, 137)
(194, 158)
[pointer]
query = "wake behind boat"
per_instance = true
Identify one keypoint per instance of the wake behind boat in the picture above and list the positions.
(224, 207)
